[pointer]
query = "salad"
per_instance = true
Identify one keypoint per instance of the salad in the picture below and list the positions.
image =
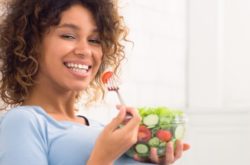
(159, 125)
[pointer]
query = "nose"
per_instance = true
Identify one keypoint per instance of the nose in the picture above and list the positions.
(83, 49)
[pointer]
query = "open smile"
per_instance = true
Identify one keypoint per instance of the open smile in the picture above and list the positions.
(77, 67)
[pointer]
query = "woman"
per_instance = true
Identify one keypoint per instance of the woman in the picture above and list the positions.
(51, 51)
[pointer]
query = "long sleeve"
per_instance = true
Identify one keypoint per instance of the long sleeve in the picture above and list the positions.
(22, 140)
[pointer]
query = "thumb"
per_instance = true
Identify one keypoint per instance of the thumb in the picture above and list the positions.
(116, 121)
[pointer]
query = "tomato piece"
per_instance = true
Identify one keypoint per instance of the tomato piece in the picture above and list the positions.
(144, 134)
(106, 76)
(164, 135)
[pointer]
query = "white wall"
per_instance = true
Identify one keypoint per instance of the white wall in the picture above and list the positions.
(219, 60)
(218, 82)
(237, 53)
(155, 71)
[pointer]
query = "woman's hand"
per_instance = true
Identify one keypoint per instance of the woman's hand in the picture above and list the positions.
(114, 141)
(172, 154)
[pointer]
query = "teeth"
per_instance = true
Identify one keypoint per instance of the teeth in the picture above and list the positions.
(77, 66)
(79, 70)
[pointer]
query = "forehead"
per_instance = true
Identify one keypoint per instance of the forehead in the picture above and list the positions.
(78, 15)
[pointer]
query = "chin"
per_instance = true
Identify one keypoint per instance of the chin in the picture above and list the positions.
(80, 87)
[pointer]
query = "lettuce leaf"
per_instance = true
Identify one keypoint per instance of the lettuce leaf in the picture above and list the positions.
(167, 115)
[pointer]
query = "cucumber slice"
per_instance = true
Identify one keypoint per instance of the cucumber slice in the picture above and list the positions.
(142, 149)
(164, 120)
(151, 120)
(154, 142)
(154, 130)
(166, 126)
(163, 144)
(161, 151)
(130, 152)
(179, 132)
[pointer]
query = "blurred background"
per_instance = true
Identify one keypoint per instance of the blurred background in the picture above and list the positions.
(193, 55)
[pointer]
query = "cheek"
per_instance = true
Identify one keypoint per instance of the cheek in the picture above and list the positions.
(98, 61)
(56, 46)
(60, 49)
(66, 47)
(99, 57)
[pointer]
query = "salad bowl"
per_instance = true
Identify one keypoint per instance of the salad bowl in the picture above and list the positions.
(158, 126)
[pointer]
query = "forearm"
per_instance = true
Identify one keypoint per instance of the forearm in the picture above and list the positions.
(97, 160)
(93, 161)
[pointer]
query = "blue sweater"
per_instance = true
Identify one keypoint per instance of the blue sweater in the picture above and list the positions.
(29, 136)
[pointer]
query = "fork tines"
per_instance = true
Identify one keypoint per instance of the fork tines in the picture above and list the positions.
(112, 85)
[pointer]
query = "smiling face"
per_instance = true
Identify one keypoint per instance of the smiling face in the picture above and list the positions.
(71, 52)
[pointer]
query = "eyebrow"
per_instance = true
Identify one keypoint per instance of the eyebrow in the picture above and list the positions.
(74, 27)
(69, 25)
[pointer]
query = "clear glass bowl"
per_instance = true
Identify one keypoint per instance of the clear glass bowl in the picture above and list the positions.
(159, 125)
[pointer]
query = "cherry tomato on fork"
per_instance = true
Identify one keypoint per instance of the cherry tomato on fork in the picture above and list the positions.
(106, 76)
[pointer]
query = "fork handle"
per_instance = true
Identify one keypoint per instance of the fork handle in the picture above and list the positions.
(120, 97)
(128, 115)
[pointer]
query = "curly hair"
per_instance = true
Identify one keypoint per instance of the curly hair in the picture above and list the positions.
(21, 31)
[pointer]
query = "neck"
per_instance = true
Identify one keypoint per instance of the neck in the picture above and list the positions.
(52, 102)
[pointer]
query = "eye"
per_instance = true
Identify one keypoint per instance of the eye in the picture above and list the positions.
(68, 36)
(95, 41)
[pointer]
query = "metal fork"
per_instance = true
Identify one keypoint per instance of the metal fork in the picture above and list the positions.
(112, 86)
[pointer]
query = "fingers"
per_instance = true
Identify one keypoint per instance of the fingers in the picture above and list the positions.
(154, 155)
(186, 146)
(138, 158)
(173, 152)
(134, 121)
(170, 158)
(178, 149)
(117, 120)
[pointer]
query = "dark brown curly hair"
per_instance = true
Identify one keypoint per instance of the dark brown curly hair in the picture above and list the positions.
(21, 31)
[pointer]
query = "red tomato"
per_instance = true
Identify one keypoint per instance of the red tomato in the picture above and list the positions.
(106, 76)
(144, 134)
(164, 135)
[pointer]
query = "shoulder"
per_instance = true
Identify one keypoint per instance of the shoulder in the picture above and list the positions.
(19, 117)
(22, 134)
(20, 123)
(17, 114)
